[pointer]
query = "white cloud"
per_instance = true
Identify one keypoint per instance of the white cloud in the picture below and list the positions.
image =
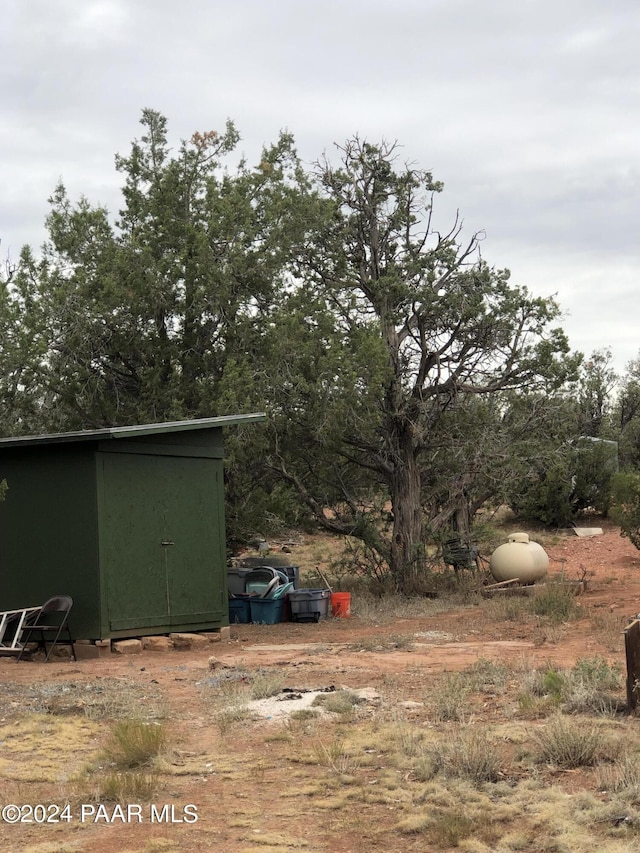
(527, 111)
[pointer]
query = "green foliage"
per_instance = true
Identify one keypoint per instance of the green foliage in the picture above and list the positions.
(626, 417)
(596, 673)
(394, 363)
(595, 398)
(577, 476)
(590, 686)
(154, 317)
(625, 508)
(430, 333)
(554, 683)
(340, 702)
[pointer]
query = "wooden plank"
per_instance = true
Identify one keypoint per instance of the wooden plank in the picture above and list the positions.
(507, 591)
(502, 583)
(632, 651)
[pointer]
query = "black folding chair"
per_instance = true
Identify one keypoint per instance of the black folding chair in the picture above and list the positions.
(52, 622)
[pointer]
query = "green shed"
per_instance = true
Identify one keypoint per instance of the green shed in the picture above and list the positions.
(129, 521)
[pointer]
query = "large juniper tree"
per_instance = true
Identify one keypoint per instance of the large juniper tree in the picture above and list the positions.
(421, 327)
(159, 314)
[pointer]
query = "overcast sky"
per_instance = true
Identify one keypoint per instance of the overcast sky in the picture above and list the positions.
(527, 110)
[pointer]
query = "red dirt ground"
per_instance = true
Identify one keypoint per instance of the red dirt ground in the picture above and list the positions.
(341, 652)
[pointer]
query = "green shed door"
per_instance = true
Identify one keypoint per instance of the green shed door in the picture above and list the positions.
(161, 532)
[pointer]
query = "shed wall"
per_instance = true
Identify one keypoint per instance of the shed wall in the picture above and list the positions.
(48, 531)
(132, 527)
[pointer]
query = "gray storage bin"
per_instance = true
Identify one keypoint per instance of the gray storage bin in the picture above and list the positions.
(309, 605)
(275, 562)
(236, 580)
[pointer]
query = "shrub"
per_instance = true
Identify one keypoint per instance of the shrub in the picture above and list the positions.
(470, 754)
(336, 758)
(556, 602)
(625, 508)
(569, 743)
(449, 699)
(584, 688)
(266, 684)
(623, 777)
(589, 684)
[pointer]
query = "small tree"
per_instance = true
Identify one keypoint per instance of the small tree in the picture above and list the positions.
(595, 394)
(626, 416)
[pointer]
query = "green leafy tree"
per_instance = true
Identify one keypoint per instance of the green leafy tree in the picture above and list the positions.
(595, 394)
(159, 315)
(19, 358)
(625, 509)
(162, 312)
(496, 450)
(626, 417)
(384, 350)
(441, 327)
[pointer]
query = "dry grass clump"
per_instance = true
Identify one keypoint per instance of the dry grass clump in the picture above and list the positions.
(134, 743)
(608, 628)
(126, 787)
(487, 676)
(449, 827)
(467, 752)
(230, 691)
(550, 604)
(449, 698)
(44, 748)
(265, 684)
(338, 702)
(131, 753)
(621, 777)
(568, 743)
(556, 602)
(509, 608)
(336, 757)
(388, 609)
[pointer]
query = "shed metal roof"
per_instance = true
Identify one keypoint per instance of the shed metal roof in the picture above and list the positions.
(133, 431)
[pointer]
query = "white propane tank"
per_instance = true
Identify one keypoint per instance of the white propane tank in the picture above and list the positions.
(519, 559)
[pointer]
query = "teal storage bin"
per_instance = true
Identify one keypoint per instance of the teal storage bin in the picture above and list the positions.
(239, 611)
(267, 611)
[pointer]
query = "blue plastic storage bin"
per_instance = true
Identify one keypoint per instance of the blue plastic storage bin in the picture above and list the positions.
(239, 610)
(267, 611)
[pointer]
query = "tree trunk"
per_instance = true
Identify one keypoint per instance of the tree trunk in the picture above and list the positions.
(462, 517)
(407, 547)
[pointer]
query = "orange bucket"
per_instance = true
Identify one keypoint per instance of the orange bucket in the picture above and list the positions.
(341, 604)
